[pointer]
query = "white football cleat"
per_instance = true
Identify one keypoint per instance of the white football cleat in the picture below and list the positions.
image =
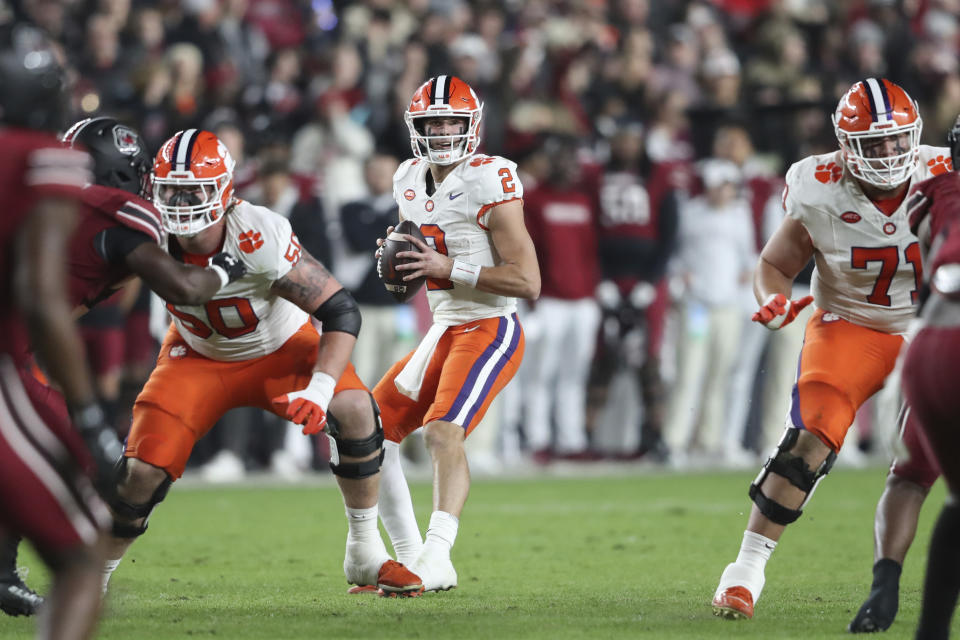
(362, 563)
(437, 573)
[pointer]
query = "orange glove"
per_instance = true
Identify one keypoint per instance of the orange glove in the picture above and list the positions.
(308, 406)
(778, 312)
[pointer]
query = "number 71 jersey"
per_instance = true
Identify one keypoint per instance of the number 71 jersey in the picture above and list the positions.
(868, 269)
(454, 220)
(246, 320)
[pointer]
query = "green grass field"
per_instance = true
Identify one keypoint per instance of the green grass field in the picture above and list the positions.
(545, 557)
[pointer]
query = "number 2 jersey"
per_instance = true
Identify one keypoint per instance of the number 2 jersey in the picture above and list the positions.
(868, 267)
(453, 219)
(245, 319)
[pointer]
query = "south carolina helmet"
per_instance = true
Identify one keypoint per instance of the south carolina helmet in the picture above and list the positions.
(119, 157)
(872, 109)
(192, 182)
(444, 97)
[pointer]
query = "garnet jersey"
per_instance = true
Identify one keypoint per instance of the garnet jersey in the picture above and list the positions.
(868, 267)
(32, 165)
(934, 211)
(245, 319)
(453, 220)
(112, 223)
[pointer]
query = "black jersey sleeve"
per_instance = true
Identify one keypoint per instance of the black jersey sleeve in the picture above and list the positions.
(115, 243)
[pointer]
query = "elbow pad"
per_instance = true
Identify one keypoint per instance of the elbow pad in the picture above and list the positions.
(339, 313)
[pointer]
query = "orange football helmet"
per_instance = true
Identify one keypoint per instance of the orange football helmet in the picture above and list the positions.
(444, 97)
(192, 181)
(871, 110)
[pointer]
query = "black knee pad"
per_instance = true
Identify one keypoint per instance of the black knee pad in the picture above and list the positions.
(355, 448)
(129, 512)
(796, 470)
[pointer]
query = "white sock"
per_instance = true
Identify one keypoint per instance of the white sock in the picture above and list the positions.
(747, 571)
(362, 525)
(109, 567)
(396, 506)
(442, 531)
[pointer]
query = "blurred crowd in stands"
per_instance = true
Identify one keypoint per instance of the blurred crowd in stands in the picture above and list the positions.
(652, 136)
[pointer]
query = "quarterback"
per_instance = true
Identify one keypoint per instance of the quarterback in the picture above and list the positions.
(480, 258)
(252, 344)
(846, 210)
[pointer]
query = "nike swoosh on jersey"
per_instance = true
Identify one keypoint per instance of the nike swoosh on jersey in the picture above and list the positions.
(471, 329)
(454, 196)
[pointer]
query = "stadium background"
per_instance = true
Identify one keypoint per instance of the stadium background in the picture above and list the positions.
(310, 97)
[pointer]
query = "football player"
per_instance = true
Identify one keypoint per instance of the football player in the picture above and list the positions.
(46, 494)
(847, 210)
(478, 260)
(929, 435)
(930, 383)
(252, 344)
(118, 235)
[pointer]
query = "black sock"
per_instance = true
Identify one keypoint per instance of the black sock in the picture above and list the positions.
(8, 555)
(942, 582)
(886, 572)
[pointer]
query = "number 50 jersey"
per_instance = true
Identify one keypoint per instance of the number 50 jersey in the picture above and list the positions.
(454, 221)
(246, 320)
(868, 268)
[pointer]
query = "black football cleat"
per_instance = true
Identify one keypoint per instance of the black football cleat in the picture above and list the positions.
(16, 598)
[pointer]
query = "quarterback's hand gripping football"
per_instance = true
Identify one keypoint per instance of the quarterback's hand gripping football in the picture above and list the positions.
(308, 407)
(227, 267)
(778, 312)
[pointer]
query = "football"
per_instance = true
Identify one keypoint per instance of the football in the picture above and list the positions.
(387, 268)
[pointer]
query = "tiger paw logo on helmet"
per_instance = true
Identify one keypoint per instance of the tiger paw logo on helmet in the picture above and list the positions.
(828, 172)
(939, 165)
(250, 241)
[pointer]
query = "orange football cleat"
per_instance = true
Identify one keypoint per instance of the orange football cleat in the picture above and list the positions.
(734, 603)
(395, 580)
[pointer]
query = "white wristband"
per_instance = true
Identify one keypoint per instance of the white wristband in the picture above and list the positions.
(220, 271)
(465, 273)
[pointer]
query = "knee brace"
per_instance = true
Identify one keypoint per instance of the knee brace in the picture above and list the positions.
(796, 470)
(340, 446)
(132, 512)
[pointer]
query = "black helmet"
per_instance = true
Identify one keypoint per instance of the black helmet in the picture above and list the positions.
(953, 141)
(33, 93)
(119, 159)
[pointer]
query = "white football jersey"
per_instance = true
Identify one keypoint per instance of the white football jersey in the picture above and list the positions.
(453, 220)
(245, 320)
(868, 268)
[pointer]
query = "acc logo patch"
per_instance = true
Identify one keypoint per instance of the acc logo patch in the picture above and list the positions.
(409, 194)
(429, 205)
(250, 241)
(889, 228)
(850, 216)
(178, 351)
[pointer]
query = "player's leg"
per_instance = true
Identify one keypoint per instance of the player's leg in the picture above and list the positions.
(841, 365)
(45, 495)
(356, 439)
(174, 410)
(894, 528)
(480, 362)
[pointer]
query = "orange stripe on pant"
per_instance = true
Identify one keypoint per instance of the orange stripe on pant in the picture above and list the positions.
(471, 364)
(187, 393)
(841, 365)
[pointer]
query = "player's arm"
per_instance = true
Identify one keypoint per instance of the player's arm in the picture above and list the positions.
(41, 293)
(179, 283)
(517, 276)
(786, 253)
(312, 288)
